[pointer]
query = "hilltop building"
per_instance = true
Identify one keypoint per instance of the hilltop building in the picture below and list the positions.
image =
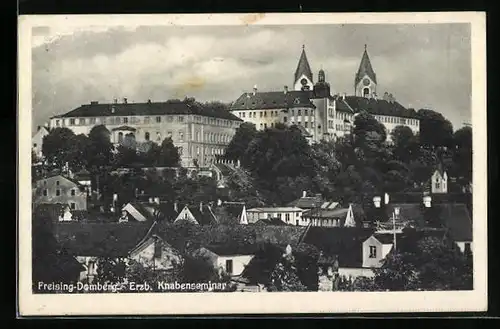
(321, 114)
(199, 132)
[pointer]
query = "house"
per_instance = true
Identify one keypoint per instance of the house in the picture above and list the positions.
(289, 215)
(200, 215)
(37, 140)
(439, 181)
(330, 217)
(138, 211)
(154, 252)
(91, 242)
(60, 189)
(375, 248)
(341, 252)
(229, 258)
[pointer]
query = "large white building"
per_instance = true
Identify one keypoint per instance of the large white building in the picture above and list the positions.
(313, 108)
(199, 133)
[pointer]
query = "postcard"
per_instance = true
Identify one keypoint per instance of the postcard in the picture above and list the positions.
(252, 164)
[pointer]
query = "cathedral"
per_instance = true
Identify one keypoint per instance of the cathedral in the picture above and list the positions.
(318, 113)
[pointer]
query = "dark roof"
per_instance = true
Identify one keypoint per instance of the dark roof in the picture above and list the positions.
(150, 108)
(341, 105)
(273, 100)
(65, 177)
(233, 249)
(365, 68)
(100, 240)
(307, 202)
(204, 217)
(145, 209)
(303, 67)
(379, 107)
(345, 243)
(384, 238)
(124, 128)
(328, 213)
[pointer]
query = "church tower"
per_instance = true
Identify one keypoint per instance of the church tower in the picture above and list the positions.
(365, 81)
(321, 88)
(303, 79)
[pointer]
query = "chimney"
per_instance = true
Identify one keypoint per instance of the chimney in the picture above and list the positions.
(343, 96)
(150, 200)
(124, 100)
(427, 201)
(113, 108)
(376, 201)
(254, 90)
(175, 206)
(304, 194)
(201, 206)
(386, 96)
(285, 89)
(157, 200)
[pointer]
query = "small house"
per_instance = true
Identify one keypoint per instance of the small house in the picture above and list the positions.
(60, 189)
(289, 215)
(229, 258)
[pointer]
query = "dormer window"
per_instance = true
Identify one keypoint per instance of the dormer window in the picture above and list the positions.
(296, 101)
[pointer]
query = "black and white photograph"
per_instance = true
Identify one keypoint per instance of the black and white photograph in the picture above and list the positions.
(252, 163)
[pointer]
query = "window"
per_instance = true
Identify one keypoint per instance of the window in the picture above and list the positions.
(146, 120)
(284, 119)
(58, 192)
(197, 150)
(229, 266)
(125, 120)
(71, 121)
(261, 114)
(146, 135)
(197, 136)
(243, 114)
(158, 119)
(57, 183)
(373, 252)
(34, 144)
(92, 121)
(306, 124)
(366, 91)
(73, 192)
(73, 205)
(57, 123)
(306, 112)
(261, 126)
(265, 114)
(299, 112)
(181, 118)
(45, 193)
(120, 137)
(265, 125)
(181, 136)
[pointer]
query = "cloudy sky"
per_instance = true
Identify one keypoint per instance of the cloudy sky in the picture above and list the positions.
(423, 66)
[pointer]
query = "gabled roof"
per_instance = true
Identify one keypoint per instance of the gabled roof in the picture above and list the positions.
(345, 243)
(303, 67)
(205, 216)
(384, 238)
(365, 68)
(147, 210)
(273, 100)
(328, 213)
(98, 239)
(379, 107)
(149, 108)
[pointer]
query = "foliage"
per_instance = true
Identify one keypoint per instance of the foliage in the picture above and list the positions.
(435, 130)
(110, 270)
(244, 134)
(58, 146)
(284, 276)
(99, 152)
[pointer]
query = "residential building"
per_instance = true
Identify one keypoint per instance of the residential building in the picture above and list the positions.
(288, 215)
(199, 215)
(60, 189)
(199, 132)
(321, 114)
(155, 253)
(439, 182)
(230, 259)
(376, 248)
(37, 140)
(330, 217)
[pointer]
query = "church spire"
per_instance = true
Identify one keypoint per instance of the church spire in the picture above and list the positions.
(365, 68)
(303, 68)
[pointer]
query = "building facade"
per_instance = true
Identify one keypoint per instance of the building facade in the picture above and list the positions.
(288, 215)
(60, 189)
(200, 133)
(313, 106)
(37, 141)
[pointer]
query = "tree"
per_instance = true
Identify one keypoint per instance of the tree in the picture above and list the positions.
(435, 129)
(405, 143)
(364, 124)
(168, 154)
(306, 257)
(284, 276)
(462, 139)
(110, 270)
(58, 146)
(100, 149)
(245, 133)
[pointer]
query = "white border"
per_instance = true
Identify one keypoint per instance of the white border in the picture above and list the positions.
(247, 303)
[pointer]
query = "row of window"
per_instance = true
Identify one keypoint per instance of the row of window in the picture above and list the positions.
(343, 116)
(208, 137)
(139, 120)
(209, 150)
(306, 112)
(263, 114)
(45, 192)
(396, 120)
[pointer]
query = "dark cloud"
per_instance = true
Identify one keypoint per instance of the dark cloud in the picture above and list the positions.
(423, 65)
